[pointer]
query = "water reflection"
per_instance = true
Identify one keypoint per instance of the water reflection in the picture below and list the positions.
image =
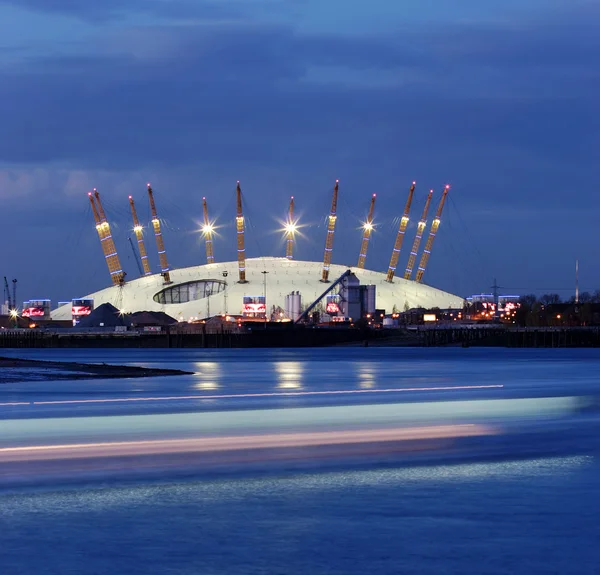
(366, 375)
(207, 375)
(289, 374)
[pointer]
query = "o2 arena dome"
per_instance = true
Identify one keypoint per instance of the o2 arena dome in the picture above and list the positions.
(278, 287)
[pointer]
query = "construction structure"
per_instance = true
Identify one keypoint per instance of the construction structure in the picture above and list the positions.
(420, 228)
(367, 229)
(139, 234)
(290, 231)
(433, 231)
(160, 244)
(207, 232)
(111, 257)
(330, 231)
(240, 229)
(400, 237)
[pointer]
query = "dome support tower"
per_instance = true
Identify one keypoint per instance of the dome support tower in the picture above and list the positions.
(290, 230)
(330, 231)
(367, 229)
(138, 230)
(400, 236)
(239, 224)
(160, 244)
(434, 228)
(207, 232)
(415, 248)
(108, 245)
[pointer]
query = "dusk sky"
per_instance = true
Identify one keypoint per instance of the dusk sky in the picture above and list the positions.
(498, 99)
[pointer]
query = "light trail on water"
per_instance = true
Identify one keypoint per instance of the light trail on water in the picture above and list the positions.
(255, 395)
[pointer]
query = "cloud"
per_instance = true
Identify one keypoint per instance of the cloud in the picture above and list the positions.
(177, 95)
(505, 114)
(106, 10)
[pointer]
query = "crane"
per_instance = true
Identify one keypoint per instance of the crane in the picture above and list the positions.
(400, 236)
(330, 230)
(7, 290)
(207, 232)
(139, 234)
(135, 256)
(108, 245)
(15, 306)
(415, 248)
(160, 244)
(239, 224)
(290, 231)
(434, 228)
(368, 228)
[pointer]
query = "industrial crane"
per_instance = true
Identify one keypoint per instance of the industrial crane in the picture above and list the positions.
(207, 232)
(239, 224)
(400, 236)
(415, 248)
(160, 244)
(108, 245)
(367, 229)
(290, 231)
(139, 234)
(434, 228)
(330, 231)
(7, 291)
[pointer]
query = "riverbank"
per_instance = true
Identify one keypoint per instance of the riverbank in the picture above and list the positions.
(12, 370)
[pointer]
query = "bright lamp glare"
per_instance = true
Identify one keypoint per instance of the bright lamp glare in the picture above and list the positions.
(14, 313)
(207, 229)
(290, 228)
(367, 227)
(138, 228)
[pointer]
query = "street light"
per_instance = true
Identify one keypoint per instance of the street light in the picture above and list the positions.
(225, 274)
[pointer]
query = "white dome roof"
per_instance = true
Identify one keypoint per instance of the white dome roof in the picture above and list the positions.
(284, 276)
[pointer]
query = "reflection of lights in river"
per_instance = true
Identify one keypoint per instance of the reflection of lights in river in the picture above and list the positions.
(289, 374)
(207, 375)
(366, 375)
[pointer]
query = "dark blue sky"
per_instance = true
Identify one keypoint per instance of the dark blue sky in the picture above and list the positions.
(500, 99)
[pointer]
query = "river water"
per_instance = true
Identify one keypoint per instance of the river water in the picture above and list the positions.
(508, 510)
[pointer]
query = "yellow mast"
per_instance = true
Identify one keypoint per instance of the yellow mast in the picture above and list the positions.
(415, 248)
(290, 230)
(108, 245)
(139, 234)
(330, 230)
(160, 244)
(239, 223)
(400, 236)
(207, 232)
(434, 228)
(368, 228)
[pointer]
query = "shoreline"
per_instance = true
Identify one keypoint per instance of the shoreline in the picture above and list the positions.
(13, 370)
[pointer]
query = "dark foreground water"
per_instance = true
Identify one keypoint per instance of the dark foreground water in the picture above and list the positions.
(495, 515)
(538, 516)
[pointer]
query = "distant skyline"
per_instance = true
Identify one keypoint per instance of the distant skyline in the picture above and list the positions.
(496, 99)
